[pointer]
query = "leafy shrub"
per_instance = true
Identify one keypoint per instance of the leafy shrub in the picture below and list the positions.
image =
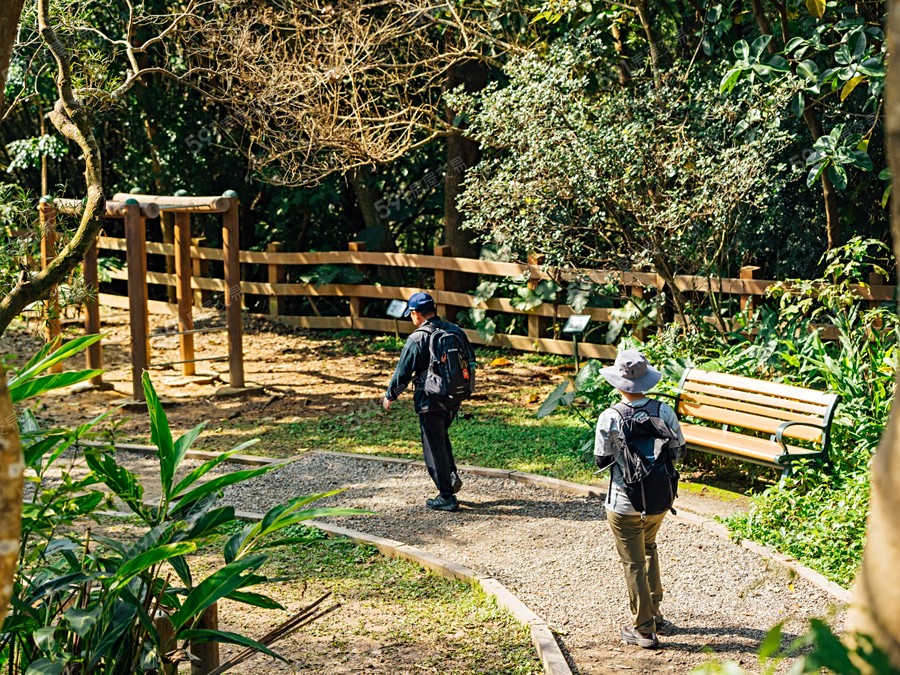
(83, 602)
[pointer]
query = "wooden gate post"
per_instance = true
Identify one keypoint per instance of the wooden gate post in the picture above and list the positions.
(231, 254)
(94, 354)
(277, 275)
(200, 269)
(748, 272)
(47, 213)
(357, 305)
(207, 652)
(440, 280)
(136, 261)
(183, 293)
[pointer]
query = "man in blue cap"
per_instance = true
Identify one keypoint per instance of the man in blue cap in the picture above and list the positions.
(436, 412)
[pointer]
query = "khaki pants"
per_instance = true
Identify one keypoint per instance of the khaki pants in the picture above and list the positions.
(636, 543)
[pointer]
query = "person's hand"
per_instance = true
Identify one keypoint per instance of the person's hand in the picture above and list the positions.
(386, 403)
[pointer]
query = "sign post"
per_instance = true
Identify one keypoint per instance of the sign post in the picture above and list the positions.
(575, 326)
(395, 310)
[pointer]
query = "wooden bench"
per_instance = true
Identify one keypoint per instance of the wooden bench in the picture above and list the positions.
(782, 411)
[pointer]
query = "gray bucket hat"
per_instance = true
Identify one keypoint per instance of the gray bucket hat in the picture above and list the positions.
(631, 373)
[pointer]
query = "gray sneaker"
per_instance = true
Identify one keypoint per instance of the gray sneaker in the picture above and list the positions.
(631, 636)
(455, 482)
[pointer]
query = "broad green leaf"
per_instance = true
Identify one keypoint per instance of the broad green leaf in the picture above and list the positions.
(120, 480)
(863, 145)
(185, 441)
(255, 600)
(554, 400)
(798, 104)
(885, 196)
(588, 373)
(160, 436)
(759, 45)
(131, 568)
(81, 620)
(816, 8)
(206, 467)
(25, 389)
(857, 43)
(47, 667)
(222, 481)
(771, 643)
(37, 366)
(873, 67)
(44, 639)
(850, 85)
(203, 635)
(808, 70)
(815, 173)
(730, 80)
(838, 176)
(778, 63)
(741, 50)
(216, 586)
(860, 160)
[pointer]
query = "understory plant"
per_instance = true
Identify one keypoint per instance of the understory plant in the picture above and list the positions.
(94, 600)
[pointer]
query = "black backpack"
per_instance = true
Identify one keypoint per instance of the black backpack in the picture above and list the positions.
(646, 462)
(450, 378)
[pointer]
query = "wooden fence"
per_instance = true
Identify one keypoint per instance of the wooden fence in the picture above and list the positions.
(193, 284)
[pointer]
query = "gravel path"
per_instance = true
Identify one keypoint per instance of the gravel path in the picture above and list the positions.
(555, 552)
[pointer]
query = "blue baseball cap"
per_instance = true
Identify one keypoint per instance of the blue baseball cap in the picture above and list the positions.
(419, 301)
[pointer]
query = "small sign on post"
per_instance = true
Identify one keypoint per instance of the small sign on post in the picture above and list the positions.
(575, 326)
(395, 310)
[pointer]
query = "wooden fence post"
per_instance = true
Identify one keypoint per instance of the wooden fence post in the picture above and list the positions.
(200, 269)
(747, 299)
(207, 652)
(440, 279)
(537, 325)
(637, 293)
(231, 254)
(47, 213)
(94, 354)
(875, 279)
(357, 305)
(136, 262)
(277, 275)
(184, 295)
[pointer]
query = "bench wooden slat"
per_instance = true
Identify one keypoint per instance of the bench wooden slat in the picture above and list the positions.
(739, 419)
(753, 409)
(741, 445)
(750, 397)
(750, 384)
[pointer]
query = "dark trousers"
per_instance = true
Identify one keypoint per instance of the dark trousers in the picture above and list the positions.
(437, 449)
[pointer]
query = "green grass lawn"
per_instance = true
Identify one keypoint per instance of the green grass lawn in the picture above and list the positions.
(493, 435)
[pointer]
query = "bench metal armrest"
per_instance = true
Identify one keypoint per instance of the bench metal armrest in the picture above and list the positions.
(779, 432)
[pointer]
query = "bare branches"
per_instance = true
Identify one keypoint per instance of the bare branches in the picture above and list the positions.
(317, 88)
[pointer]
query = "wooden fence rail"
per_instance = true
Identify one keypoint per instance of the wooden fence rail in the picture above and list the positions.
(189, 279)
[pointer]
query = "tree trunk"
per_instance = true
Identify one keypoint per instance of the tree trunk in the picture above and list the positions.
(366, 199)
(10, 10)
(875, 610)
(643, 13)
(462, 154)
(10, 495)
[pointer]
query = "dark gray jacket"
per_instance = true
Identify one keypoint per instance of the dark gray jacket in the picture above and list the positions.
(414, 361)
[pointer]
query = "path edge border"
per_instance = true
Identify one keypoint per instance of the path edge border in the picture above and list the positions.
(684, 515)
(548, 650)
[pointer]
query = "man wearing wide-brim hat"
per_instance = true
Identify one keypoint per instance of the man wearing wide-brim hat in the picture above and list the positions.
(635, 532)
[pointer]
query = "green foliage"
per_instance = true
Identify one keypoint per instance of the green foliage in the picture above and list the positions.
(818, 650)
(82, 601)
